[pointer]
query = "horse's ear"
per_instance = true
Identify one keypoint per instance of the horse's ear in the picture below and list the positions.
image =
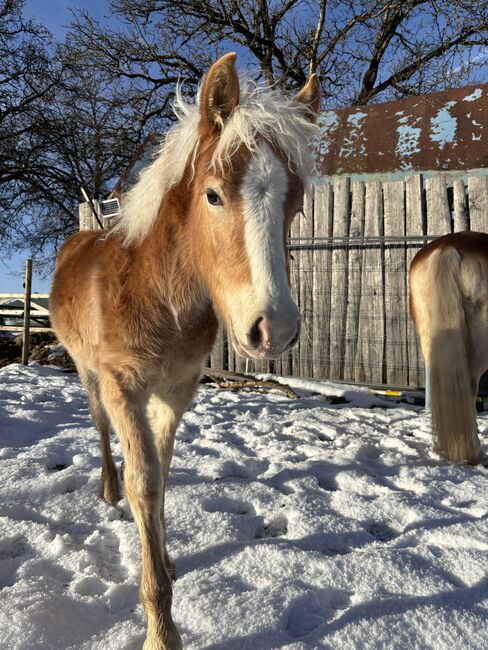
(220, 91)
(309, 96)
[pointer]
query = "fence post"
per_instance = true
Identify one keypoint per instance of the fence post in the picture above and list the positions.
(27, 306)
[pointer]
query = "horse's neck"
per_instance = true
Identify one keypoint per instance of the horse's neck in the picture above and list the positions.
(167, 271)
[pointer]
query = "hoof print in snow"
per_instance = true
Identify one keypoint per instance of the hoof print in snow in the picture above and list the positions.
(12, 554)
(90, 586)
(70, 484)
(381, 531)
(225, 504)
(313, 609)
(108, 561)
(232, 470)
(58, 467)
(327, 484)
(57, 462)
(276, 527)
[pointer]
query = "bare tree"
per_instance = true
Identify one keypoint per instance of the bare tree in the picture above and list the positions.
(364, 49)
(73, 114)
(26, 77)
(62, 125)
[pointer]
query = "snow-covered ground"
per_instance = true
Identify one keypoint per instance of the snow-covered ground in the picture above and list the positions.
(293, 524)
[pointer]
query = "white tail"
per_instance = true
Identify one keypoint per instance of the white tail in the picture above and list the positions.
(453, 389)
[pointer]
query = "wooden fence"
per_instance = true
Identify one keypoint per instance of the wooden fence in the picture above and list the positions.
(350, 253)
(26, 310)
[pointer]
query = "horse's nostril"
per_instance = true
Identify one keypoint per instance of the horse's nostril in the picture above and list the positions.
(255, 333)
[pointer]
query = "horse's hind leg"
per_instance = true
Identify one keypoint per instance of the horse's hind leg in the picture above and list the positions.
(110, 484)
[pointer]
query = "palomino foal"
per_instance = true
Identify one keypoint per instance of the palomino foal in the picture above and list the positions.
(449, 305)
(203, 229)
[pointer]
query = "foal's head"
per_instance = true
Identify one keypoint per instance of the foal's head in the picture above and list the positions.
(233, 172)
(249, 172)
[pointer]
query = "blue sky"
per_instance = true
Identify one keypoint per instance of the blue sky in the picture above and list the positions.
(56, 16)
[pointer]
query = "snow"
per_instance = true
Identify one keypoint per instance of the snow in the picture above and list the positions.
(293, 524)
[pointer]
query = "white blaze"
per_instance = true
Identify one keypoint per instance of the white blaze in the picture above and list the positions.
(264, 189)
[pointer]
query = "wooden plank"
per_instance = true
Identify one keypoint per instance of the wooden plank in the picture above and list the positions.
(306, 285)
(369, 354)
(478, 203)
(11, 312)
(14, 328)
(356, 230)
(34, 296)
(217, 355)
(396, 313)
(85, 216)
(27, 304)
(438, 216)
(338, 311)
(321, 281)
(414, 225)
(295, 289)
(241, 364)
(459, 205)
(283, 365)
(38, 310)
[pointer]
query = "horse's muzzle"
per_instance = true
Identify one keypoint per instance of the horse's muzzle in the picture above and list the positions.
(269, 338)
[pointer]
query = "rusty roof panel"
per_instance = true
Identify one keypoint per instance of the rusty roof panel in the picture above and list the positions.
(441, 131)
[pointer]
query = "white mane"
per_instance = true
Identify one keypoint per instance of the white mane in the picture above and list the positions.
(261, 113)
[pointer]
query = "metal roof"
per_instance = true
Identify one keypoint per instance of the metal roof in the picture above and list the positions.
(441, 131)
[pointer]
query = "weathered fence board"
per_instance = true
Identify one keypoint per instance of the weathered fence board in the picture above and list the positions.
(438, 213)
(296, 290)
(414, 226)
(306, 285)
(478, 203)
(321, 280)
(339, 279)
(396, 312)
(370, 348)
(356, 232)
(459, 206)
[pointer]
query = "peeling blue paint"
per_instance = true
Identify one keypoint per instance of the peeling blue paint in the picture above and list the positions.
(328, 122)
(408, 141)
(350, 144)
(355, 118)
(444, 130)
(443, 125)
(476, 94)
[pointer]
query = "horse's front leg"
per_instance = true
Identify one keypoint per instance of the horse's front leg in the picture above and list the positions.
(143, 477)
(166, 406)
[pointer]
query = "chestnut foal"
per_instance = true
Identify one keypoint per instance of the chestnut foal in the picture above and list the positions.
(202, 231)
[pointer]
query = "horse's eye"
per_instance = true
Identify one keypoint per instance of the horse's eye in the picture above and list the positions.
(213, 198)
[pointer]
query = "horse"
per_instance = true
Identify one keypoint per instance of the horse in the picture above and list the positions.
(202, 233)
(449, 305)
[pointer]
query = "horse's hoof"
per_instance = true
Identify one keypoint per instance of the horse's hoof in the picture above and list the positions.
(111, 493)
(173, 641)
